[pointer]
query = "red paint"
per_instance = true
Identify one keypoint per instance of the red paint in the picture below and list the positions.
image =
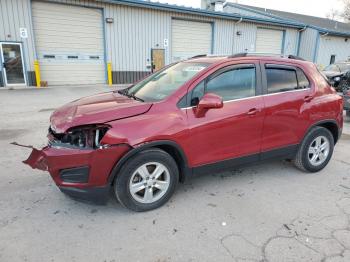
(96, 109)
(212, 132)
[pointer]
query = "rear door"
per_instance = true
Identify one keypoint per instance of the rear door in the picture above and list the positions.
(287, 96)
(234, 130)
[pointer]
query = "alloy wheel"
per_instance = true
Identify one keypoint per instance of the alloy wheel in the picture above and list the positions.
(319, 150)
(149, 182)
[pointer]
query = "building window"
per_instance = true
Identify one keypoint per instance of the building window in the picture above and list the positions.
(332, 59)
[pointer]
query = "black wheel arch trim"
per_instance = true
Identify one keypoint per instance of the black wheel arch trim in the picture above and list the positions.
(184, 168)
(322, 122)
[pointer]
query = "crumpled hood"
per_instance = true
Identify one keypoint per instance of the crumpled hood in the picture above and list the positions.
(96, 109)
(331, 74)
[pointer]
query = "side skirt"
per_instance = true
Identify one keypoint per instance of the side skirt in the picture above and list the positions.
(229, 164)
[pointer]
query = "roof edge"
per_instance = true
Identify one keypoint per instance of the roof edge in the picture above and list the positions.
(319, 29)
(197, 11)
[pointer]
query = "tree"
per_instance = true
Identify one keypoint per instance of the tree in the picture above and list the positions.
(346, 12)
(334, 14)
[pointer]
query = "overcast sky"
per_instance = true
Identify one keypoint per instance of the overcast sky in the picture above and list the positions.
(308, 7)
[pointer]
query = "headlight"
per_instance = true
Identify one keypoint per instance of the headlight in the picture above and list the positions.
(337, 78)
(81, 137)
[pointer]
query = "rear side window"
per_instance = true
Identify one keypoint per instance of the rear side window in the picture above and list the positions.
(233, 84)
(303, 82)
(281, 80)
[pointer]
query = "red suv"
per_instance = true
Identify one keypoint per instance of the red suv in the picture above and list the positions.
(198, 116)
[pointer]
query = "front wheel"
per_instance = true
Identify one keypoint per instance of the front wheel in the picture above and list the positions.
(316, 150)
(147, 180)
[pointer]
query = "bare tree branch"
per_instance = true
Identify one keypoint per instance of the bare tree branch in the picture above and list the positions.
(346, 13)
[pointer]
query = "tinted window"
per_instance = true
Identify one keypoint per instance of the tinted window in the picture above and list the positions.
(281, 80)
(303, 82)
(197, 93)
(233, 84)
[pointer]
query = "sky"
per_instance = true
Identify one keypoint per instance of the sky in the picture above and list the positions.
(308, 7)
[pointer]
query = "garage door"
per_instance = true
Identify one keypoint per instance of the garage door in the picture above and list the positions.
(69, 42)
(269, 41)
(190, 38)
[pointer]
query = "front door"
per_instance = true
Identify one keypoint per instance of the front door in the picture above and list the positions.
(12, 64)
(232, 131)
(157, 59)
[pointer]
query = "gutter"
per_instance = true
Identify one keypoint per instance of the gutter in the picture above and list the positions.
(196, 11)
(239, 21)
(320, 29)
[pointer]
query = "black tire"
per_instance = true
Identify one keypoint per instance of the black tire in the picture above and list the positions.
(302, 161)
(121, 185)
(348, 113)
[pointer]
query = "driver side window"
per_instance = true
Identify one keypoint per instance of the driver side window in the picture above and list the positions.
(233, 84)
(230, 85)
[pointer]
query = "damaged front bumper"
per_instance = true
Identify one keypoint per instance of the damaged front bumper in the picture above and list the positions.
(79, 173)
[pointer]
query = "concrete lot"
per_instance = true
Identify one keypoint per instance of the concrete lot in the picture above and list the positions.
(265, 212)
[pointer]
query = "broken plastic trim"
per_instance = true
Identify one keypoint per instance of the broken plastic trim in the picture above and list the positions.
(83, 137)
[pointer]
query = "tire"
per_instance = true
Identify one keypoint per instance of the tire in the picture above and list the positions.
(302, 159)
(140, 172)
(348, 113)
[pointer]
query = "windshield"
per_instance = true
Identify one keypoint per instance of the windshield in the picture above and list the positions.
(163, 83)
(338, 67)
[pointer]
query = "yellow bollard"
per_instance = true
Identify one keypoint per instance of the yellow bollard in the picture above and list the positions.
(109, 73)
(37, 73)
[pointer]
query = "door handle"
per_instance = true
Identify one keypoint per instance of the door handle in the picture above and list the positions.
(308, 98)
(252, 111)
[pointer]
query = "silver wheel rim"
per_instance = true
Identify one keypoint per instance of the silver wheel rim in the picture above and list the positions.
(149, 182)
(318, 150)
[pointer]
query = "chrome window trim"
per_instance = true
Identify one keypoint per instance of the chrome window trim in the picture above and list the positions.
(250, 97)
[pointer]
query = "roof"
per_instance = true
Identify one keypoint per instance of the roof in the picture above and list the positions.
(213, 59)
(324, 25)
(207, 13)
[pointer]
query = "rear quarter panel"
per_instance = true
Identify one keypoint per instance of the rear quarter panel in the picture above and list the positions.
(327, 104)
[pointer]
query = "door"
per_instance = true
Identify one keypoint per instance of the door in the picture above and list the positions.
(190, 38)
(158, 60)
(69, 43)
(288, 92)
(269, 41)
(13, 66)
(234, 130)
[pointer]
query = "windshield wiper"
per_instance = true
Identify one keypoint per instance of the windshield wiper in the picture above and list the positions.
(132, 95)
(124, 92)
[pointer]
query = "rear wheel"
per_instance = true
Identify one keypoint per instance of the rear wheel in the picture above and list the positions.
(147, 180)
(316, 150)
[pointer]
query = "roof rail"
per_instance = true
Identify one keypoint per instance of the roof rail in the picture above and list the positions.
(238, 55)
(296, 57)
(266, 54)
(197, 56)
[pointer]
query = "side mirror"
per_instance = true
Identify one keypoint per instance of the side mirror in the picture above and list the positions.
(208, 101)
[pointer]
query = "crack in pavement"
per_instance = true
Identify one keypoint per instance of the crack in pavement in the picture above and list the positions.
(304, 238)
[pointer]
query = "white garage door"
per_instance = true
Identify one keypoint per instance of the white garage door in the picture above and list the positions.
(269, 41)
(190, 38)
(69, 42)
